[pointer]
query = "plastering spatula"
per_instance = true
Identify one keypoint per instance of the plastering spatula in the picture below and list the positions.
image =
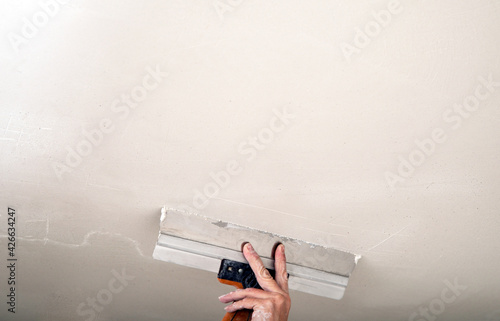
(200, 242)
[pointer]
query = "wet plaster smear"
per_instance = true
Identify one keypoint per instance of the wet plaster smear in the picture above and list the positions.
(370, 127)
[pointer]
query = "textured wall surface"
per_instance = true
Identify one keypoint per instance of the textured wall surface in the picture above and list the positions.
(368, 126)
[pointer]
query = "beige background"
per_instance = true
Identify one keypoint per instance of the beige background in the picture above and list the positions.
(322, 178)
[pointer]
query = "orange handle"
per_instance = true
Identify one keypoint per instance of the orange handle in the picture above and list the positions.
(240, 315)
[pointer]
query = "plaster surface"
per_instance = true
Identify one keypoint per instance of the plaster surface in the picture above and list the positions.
(110, 110)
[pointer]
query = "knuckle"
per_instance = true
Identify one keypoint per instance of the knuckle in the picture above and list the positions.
(268, 305)
(282, 300)
(264, 273)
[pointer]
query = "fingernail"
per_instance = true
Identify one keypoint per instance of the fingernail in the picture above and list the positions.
(282, 248)
(249, 246)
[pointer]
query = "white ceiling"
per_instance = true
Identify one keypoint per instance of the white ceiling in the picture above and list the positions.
(322, 178)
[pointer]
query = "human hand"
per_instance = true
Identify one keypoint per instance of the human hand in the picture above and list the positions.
(272, 303)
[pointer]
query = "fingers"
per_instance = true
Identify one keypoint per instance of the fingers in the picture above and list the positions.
(280, 267)
(263, 276)
(248, 303)
(247, 293)
(273, 302)
(259, 300)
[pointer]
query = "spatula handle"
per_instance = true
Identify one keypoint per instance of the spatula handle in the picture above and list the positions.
(240, 315)
(241, 276)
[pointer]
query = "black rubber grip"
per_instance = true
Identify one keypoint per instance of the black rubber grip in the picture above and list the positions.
(239, 272)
